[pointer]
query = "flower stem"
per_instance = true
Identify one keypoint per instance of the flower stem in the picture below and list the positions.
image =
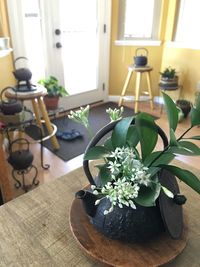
(167, 147)
(184, 133)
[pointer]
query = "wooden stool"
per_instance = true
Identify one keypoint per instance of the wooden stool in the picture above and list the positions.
(139, 71)
(36, 98)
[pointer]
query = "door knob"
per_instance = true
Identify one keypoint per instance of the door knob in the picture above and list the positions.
(58, 45)
(57, 32)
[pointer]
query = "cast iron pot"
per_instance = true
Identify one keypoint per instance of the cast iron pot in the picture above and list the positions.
(185, 106)
(20, 159)
(140, 60)
(11, 106)
(127, 224)
(22, 74)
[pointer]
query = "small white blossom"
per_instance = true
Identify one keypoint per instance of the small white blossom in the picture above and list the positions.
(128, 174)
(93, 187)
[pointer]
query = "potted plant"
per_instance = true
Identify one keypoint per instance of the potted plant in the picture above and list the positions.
(184, 105)
(136, 196)
(169, 79)
(54, 91)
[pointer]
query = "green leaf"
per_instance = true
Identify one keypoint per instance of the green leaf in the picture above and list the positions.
(148, 195)
(197, 137)
(195, 116)
(132, 136)
(151, 158)
(184, 175)
(165, 158)
(173, 141)
(120, 132)
(147, 132)
(108, 144)
(153, 171)
(190, 146)
(104, 174)
(197, 102)
(181, 150)
(172, 112)
(96, 152)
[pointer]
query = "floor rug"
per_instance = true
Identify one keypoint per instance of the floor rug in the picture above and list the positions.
(70, 149)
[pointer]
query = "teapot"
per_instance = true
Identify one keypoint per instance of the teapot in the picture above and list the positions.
(22, 74)
(20, 159)
(11, 106)
(128, 224)
(140, 60)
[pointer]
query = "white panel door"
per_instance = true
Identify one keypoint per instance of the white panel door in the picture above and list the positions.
(69, 39)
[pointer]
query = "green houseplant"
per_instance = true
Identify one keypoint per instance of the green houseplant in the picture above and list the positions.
(169, 78)
(54, 91)
(130, 172)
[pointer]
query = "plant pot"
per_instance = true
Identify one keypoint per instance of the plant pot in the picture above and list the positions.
(185, 106)
(51, 102)
(169, 83)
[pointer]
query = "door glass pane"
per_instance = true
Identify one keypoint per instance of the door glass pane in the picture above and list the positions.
(138, 18)
(33, 38)
(79, 44)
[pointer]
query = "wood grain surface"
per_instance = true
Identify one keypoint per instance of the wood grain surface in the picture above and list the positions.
(110, 252)
(35, 229)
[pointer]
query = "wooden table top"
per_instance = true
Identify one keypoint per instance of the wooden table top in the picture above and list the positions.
(35, 230)
(40, 91)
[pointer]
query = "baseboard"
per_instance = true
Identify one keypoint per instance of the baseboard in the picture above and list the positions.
(115, 98)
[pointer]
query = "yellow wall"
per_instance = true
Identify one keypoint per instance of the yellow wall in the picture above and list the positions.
(186, 61)
(122, 56)
(6, 63)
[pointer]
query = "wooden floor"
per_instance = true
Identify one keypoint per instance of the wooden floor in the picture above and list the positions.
(58, 167)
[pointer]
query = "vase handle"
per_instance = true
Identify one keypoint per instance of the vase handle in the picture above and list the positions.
(100, 134)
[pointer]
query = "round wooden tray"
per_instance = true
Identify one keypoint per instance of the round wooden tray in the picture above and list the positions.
(115, 253)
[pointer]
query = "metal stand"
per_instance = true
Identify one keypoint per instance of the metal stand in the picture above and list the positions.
(22, 184)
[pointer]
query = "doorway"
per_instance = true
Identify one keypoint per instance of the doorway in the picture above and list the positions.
(66, 39)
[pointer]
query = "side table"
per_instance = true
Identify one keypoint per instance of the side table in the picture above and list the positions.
(36, 97)
(139, 72)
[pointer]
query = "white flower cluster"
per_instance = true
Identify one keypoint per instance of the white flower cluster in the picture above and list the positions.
(127, 175)
(115, 114)
(80, 116)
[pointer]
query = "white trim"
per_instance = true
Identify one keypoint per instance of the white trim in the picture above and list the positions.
(183, 45)
(115, 98)
(137, 43)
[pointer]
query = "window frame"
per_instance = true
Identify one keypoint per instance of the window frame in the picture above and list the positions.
(186, 42)
(155, 25)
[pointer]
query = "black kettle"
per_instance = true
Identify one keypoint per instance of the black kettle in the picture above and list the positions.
(22, 74)
(133, 225)
(20, 159)
(140, 60)
(11, 106)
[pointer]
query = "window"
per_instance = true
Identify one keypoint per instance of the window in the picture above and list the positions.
(188, 21)
(139, 19)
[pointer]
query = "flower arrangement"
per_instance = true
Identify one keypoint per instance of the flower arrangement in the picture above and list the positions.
(129, 173)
